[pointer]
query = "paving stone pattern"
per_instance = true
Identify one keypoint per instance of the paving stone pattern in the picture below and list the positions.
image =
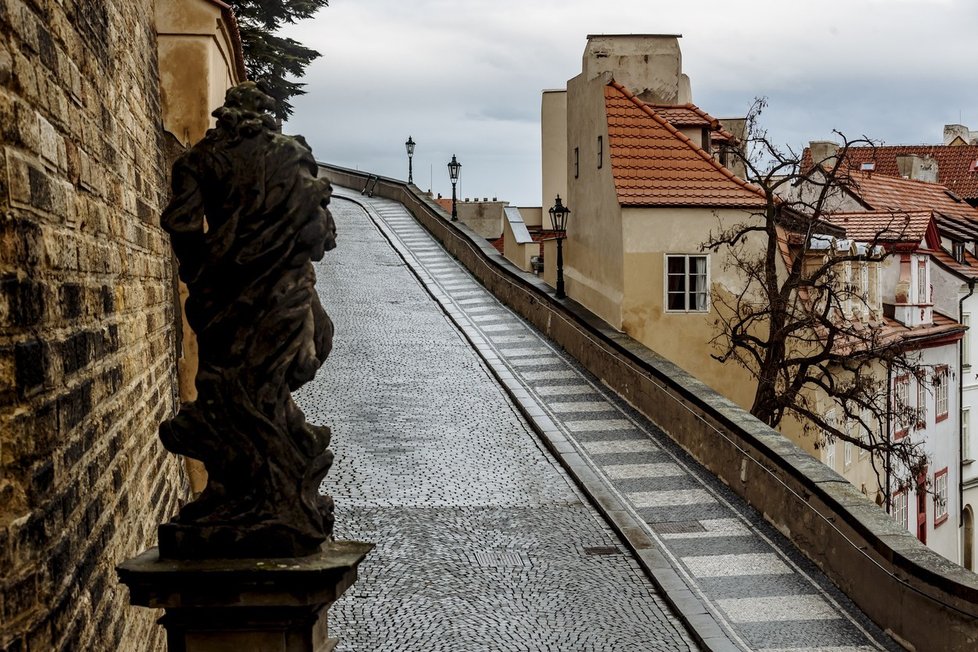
(756, 586)
(484, 543)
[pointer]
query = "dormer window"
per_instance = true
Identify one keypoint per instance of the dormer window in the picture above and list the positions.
(958, 249)
(922, 285)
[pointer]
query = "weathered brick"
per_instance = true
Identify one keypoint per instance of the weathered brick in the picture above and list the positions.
(30, 365)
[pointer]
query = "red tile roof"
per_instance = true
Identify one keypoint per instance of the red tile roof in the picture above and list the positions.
(690, 115)
(895, 193)
(883, 225)
(968, 268)
(655, 165)
(955, 164)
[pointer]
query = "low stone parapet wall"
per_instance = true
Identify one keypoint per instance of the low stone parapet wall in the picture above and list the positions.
(917, 596)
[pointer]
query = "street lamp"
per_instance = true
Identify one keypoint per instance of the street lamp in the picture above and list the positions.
(409, 146)
(453, 167)
(558, 217)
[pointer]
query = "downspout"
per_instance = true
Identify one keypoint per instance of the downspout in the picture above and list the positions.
(971, 290)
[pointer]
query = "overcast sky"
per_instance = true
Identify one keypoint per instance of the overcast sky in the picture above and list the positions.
(465, 76)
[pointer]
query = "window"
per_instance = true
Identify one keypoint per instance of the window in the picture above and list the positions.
(940, 496)
(577, 162)
(921, 403)
(966, 435)
(901, 403)
(600, 151)
(957, 249)
(941, 378)
(966, 341)
(899, 508)
(828, 441)
(867, 166)
(686, 283)
(922, 294)
(847, 447)
(864, 434)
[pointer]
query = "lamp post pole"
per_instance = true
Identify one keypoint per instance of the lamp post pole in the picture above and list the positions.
(409, 146)
(453, 168)
(558, 218)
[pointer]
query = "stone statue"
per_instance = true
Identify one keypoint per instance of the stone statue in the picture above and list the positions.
(247, 218)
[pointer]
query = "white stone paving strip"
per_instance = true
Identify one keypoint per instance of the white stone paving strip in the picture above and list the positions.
(515, 353)
(758, 563)
(630, 471)
(777, 608)
(620, 446)
(831, 648)
(547, 375)
(582, 406)
(564, 390)
(671, 498)
(599, 425)
(495, 328)
(715, 527)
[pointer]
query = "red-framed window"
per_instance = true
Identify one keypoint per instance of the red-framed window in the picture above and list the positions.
(901, 401)
(941, 378)
(940, 496)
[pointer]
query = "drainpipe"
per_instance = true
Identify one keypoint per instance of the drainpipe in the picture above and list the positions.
(971, 290)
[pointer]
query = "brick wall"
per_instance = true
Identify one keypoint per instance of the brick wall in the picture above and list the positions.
(86, 321)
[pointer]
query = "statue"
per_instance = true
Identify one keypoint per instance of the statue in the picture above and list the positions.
(247, 218)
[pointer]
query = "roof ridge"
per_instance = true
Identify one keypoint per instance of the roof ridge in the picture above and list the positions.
(685, 139)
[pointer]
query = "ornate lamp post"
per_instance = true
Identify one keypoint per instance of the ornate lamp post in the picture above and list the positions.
(409, 146)
(453, 167)
(558, 217)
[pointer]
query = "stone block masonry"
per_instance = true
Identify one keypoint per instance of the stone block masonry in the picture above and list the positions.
(87, 335)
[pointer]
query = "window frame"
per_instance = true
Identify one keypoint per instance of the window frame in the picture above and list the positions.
(901, 497)
(966, 341)
(577, 162)
(600, 152)
(966, 435)
(940, 497)
(921, 404)
(686, 277)
(901, 383)
(941, 393)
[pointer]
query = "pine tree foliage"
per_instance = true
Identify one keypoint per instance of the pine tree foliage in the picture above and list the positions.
(271, 59)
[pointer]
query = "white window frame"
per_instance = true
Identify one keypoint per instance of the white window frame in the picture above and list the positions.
(966, 433)
(686, 276)
(923, 287)
(900, 509)
(966, 340)
(851, 426)
(941, 394)
(940, 496)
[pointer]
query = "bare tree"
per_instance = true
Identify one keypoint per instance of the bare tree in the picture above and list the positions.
(801, 323)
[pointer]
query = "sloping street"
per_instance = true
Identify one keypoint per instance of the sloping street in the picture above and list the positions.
(484, 542)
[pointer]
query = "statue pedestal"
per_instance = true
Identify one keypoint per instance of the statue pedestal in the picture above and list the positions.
(233, 605)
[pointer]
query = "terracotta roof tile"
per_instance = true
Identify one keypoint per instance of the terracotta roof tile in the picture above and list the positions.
(690, 115)
(895, 193)
(655, 165)
(883, 225)
(955, 164)
(968, 268)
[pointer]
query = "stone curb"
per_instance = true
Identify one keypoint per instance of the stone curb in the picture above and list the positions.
(693, 613)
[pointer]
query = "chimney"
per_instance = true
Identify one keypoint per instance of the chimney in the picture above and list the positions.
(956, 131)
(823, 152)
(919, 168)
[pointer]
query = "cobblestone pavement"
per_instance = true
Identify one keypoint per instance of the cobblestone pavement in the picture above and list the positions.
(483, 541)
(745, 575)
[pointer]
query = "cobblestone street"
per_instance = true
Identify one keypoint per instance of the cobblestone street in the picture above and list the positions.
(484, 543)
(441, 399)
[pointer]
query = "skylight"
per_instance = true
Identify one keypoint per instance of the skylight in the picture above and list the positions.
(868, 166)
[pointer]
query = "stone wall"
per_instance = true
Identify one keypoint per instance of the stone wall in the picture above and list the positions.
(87, 348)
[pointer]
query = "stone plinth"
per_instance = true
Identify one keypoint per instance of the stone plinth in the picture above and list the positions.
(232, 605)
